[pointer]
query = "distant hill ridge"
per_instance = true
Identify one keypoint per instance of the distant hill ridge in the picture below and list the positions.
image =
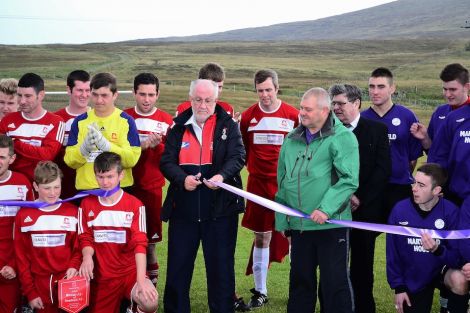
(398, 19)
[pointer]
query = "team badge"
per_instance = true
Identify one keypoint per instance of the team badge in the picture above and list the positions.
(396, 121)
(224, 134)
(439, 223)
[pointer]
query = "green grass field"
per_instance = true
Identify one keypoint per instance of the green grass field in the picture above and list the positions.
(416, 65)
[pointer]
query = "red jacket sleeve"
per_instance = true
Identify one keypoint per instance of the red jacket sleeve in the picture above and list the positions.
(139, 239)
(23, 260)
(76, 259)
(85, 235)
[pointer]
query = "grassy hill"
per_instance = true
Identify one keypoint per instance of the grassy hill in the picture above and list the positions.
(301, 65)
(399, 19)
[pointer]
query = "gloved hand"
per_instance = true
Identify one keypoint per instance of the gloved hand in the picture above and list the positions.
(100, 141)
(88, 145)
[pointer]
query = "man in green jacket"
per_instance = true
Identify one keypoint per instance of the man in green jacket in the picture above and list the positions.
(318, 171)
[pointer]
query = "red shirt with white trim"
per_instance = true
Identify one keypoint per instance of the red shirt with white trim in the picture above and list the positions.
(15, 187)
(115, 231)
(263, 134)
(46, 243)
(68, 190)
(35, 139)
(147, 170)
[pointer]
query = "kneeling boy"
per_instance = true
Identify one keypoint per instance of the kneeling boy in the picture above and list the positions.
(112, 232)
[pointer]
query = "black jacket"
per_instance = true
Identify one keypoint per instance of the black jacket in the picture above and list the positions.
(374, 170)
(228, 159)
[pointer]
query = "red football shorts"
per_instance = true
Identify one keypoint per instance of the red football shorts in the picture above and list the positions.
(152, 199)
(258, 218)
(106, 294)
(10, 294)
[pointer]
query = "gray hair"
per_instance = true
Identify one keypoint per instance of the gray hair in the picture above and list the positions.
(197, 82)
(323, 99)
(351, 92)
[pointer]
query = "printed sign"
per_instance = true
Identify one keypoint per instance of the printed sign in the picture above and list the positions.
(74, 294)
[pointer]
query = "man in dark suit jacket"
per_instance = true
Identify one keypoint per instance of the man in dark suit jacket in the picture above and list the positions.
(366, 202)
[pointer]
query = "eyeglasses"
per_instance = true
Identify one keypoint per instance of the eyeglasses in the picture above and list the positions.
(199, 101)
(338, 103)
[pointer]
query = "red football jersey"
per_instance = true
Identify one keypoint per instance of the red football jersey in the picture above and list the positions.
(46, 243)
(35, 140)
(68, 187)
(147, 170)
(263, 134)
(187, 104)
(115, 231)
(15, 187)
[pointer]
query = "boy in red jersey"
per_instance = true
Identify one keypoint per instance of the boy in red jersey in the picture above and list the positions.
(152, 124)
(112, 233)
(13, 186)
(46, 242)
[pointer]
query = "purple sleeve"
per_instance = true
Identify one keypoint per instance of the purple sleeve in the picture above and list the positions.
(464, 223)
(395, 275)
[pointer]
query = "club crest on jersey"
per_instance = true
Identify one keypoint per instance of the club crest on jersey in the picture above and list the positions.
(185, 145)
(439, 223)
(284, 124)
(128, 217)
(396, 121)
(66, 221)
(20, 192)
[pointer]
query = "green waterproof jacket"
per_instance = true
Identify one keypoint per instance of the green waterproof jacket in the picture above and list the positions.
(321, 175)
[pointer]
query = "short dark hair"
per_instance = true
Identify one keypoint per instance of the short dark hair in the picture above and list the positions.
(46, 172)
(106, 161)
(31, 80)
(212, 71)
(351, 92)
(383, 72)
(79, 75)
(146, 79)
(262, 75)
(455, 71)
(7, 142)
(437, 173)
(104, 80)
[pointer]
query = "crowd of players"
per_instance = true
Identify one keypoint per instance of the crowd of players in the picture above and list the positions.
(111, 239)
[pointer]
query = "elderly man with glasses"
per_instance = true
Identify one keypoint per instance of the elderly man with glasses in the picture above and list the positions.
(204, 146)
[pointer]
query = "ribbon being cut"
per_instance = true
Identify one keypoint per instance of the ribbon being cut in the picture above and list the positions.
(81, 194)
(390, 229)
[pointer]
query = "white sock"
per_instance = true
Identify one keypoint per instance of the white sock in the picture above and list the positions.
(260, 268)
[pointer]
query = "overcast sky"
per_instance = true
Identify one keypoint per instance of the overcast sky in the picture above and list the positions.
(84, 21)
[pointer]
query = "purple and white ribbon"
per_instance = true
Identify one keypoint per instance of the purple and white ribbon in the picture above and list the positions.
(81, 194)
(390, 229)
